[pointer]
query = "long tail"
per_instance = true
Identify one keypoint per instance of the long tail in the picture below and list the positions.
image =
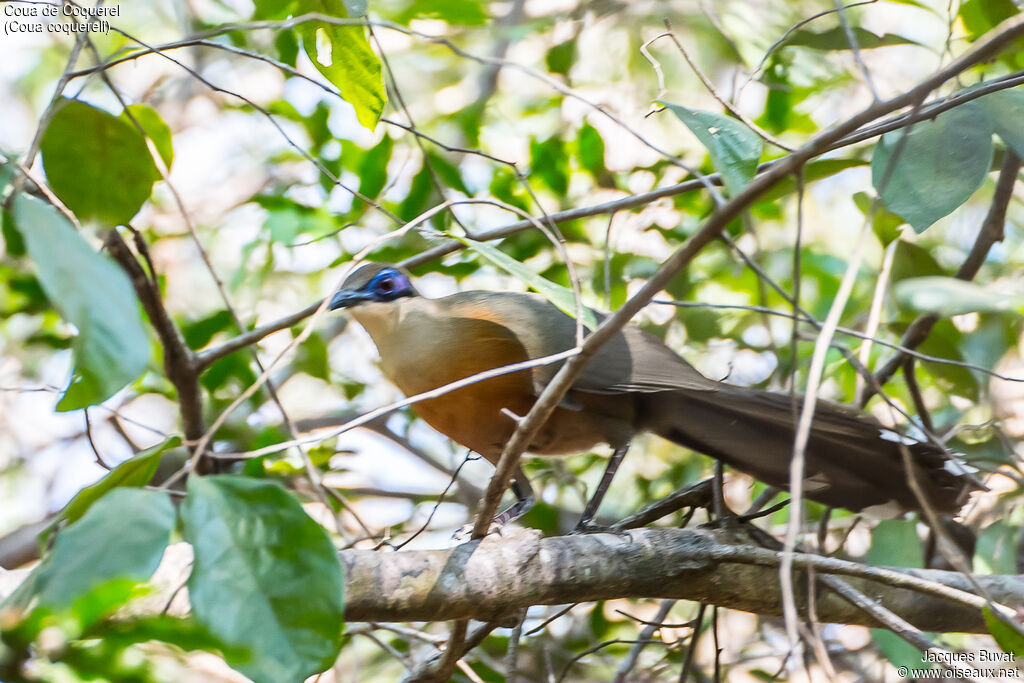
(852, 461)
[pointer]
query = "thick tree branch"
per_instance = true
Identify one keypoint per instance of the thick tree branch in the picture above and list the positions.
(494, 578)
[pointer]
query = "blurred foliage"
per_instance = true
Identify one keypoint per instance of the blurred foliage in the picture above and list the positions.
(296, 145)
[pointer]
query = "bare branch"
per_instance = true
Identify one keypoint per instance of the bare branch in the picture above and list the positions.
(495, 578)
(179, 361)
(710, 87)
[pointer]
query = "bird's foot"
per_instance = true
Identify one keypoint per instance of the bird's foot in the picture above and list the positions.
(465, 532)
(584, 527)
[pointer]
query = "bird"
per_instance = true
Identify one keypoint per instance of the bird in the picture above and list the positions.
(633, 384)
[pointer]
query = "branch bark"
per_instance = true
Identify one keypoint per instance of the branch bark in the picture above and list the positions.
(179, 361)
(493, 579)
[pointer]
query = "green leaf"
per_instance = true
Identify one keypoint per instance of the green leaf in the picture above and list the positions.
(122, 536)
(591, 155)
(286, 41)
(235, 366)
(950, 296)
(981, 16)
(913, 261)
(317, 125)
(895, 543)
(815, 170)
(6, 171)
(1007, 637)
(548, 161)
(1006, 110)
(373, 168)
(311, 357)
(419, 194)
(461, 12)
(885, 224)
(91, 293)
(899, 652)
(787, 91)
(506, 186)
(158, 132)
(351, 66)
(939, 166)
(13, 244)
(265, 576)
(355, 8)
(559, 58)
(996, 549)
(103, 600)
(96, 163)
(734, 148)
(186, 634)
(836, 39)
(272, 9)
(945, 341)
(560, 296)
(198, 333)
(448, 173)
(287, 220)
(136, 471)
(986, 345)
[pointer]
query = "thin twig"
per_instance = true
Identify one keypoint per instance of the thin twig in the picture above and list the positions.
(277, 126)
(557, 615)
(698, 494)
(875, 314)
(410, 400)
(18, 180)
(807, 318)
(803, 432)
(851, 39)
(991, 232)
(691, 650)
(512, 652)
(643, 640)
(599, 647)
(790, 31)
(710, 87)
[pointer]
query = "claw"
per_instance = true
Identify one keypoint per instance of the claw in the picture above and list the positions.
(465, 532)
(590, 528)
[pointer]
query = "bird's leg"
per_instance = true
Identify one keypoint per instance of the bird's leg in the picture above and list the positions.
(524, 500)
(594, 503)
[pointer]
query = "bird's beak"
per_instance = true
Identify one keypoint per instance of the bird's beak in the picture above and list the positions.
(347, 298)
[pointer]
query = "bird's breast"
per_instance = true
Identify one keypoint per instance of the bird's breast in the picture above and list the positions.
(422, 351)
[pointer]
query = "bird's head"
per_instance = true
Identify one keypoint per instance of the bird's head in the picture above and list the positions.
(373, 283)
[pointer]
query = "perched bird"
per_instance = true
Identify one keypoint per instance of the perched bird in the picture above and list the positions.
(633, 384)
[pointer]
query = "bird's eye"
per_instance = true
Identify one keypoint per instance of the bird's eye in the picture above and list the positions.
(386, 285)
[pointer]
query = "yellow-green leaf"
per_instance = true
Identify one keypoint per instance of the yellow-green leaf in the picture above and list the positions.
(345, 58)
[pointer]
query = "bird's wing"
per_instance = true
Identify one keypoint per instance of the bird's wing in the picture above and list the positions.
(631, 361)
(638, 361)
